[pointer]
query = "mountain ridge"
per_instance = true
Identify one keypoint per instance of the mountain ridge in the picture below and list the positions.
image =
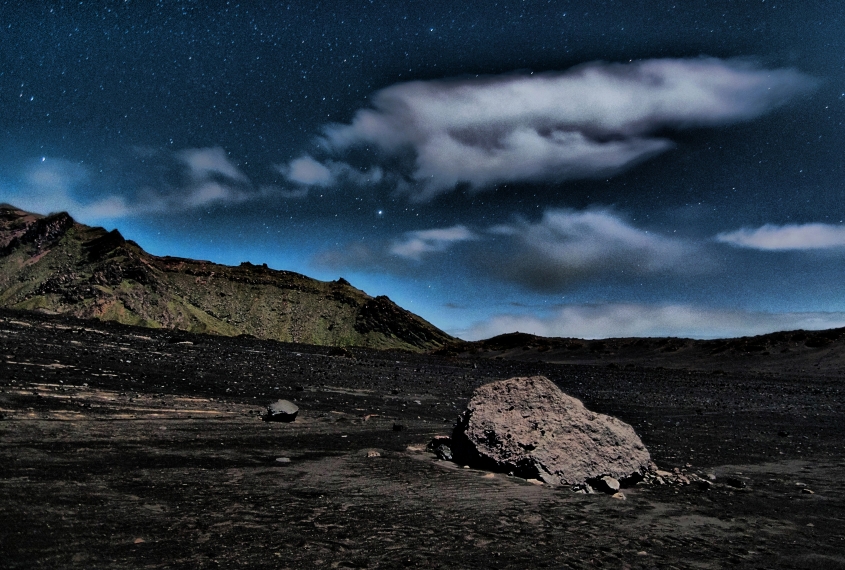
(799, 352)
(54, 264)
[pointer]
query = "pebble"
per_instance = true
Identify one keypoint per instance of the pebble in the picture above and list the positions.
(283, 460)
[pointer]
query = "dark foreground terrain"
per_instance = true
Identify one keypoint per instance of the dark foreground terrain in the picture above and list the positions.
(134, 448)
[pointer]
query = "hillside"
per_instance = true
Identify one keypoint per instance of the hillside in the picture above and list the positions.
(790, 352)
(53, 264)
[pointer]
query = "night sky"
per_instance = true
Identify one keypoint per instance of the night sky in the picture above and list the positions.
(588, 169)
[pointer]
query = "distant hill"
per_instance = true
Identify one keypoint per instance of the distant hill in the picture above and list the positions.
(53, 264)
(793, 352)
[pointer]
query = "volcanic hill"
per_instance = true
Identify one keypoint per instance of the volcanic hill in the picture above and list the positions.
(53, 264)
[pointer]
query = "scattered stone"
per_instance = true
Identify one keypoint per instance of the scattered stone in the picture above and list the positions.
(444, 452)
(440, 445)
(281, 411)
(528, 426)
(606, 484)
(373, 454)
(283, 460)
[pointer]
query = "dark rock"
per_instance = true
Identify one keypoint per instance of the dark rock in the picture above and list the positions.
(735, 482)
(398, 427)
(528, 426)
(281, 411)
(443, 452)
(341, 351)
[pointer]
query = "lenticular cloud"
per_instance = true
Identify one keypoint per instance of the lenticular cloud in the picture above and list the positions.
(589, 121)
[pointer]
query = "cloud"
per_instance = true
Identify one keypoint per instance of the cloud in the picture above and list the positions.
(382, 255)
(634, 320)
(354, 256)
(414, 245)
(51, 185)
(788, 237)
(592, 120)
(207, 163)
(566, 246)
(307, 171)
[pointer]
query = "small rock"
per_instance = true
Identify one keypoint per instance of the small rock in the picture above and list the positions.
(283, 460)
(808, 491)
(443, 452)
(610, 484)
(373, 454)
(619, 495)
(281, 411)
(735, 482)
(139, 541)
(535, 481)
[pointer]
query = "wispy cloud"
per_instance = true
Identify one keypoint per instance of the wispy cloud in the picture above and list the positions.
(52, 185)
(788, 237)
(589, 121)
(393, 255)
(305, 170)
(416, 244)
(308, 171)
(207, 163)
(635, 320)
(208, 178)
(567, 246)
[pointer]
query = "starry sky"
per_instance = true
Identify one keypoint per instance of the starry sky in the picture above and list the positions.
(565, 168)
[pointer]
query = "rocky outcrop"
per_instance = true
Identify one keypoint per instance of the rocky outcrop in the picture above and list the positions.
(529, 427)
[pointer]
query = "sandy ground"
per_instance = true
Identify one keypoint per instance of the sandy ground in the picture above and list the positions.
(123, 448)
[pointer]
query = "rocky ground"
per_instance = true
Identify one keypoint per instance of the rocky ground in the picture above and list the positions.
(134, 448)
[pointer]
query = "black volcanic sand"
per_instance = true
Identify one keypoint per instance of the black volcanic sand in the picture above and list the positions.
(133, 448)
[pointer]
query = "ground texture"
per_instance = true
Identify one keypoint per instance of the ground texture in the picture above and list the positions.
(133, 448)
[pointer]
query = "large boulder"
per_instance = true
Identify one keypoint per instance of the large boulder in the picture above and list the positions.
(528, 426)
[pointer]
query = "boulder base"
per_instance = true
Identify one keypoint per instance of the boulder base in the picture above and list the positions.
(528, 426)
